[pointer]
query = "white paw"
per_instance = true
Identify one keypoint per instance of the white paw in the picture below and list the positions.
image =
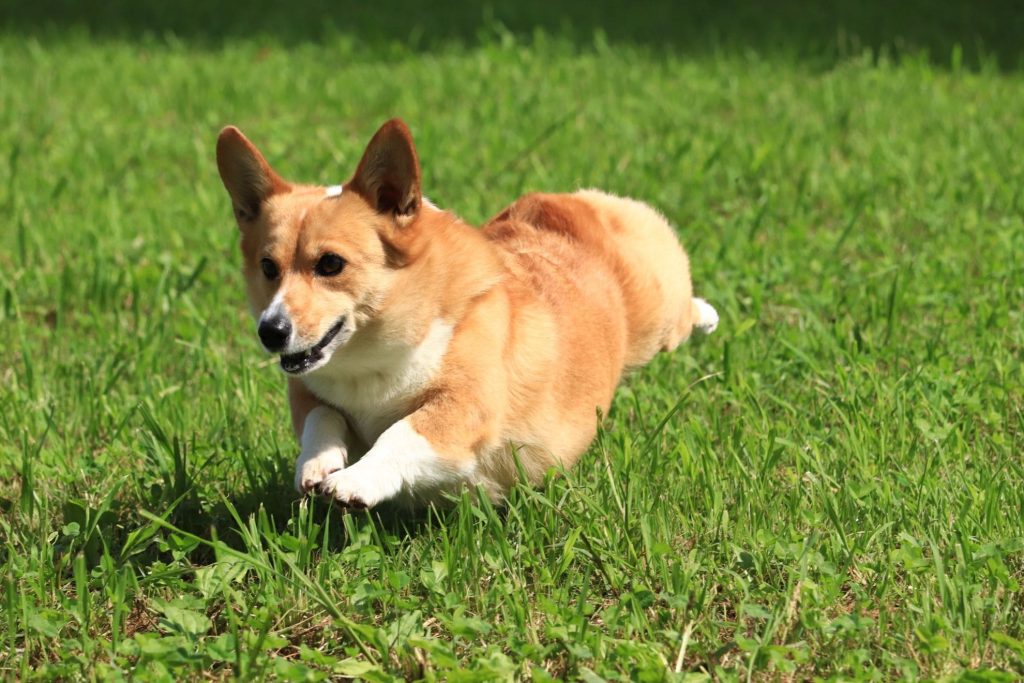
(363, 485)
(707, 316)
(311, 471)
(323, 448)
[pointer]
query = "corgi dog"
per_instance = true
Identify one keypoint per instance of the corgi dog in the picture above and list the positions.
(424, 355)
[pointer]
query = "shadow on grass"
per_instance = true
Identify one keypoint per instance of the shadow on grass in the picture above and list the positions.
(273, 512)
(180, 520)
(951, 32)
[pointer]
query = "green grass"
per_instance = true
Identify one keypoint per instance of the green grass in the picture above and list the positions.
(830, 486)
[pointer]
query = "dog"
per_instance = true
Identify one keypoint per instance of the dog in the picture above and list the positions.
(424, 355)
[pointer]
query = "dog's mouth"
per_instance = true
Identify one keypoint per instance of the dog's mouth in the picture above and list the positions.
(313, 357)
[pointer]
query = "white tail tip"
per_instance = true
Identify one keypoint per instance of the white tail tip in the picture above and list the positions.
(707, 316)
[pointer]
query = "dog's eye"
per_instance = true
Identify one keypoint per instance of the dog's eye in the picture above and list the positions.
(269, 268)
(329, 264)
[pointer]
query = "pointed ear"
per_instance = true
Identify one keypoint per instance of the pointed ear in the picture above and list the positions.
(389, 172)
(247, 176)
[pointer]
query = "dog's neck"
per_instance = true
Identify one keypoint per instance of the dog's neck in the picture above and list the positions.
(450, 256)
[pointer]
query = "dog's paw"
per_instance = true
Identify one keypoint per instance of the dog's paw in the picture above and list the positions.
(361, 486)
(311, 472)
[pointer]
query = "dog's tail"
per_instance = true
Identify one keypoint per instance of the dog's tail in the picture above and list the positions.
(705, 317)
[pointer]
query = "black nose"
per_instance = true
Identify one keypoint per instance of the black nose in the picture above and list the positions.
(274, 332)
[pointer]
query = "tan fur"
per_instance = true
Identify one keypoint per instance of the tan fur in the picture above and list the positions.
(547, 305)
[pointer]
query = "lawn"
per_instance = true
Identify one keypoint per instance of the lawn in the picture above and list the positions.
(830, 486)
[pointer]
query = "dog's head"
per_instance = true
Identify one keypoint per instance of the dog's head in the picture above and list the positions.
(319, 261)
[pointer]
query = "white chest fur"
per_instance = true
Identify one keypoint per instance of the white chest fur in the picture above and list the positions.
(376, 387)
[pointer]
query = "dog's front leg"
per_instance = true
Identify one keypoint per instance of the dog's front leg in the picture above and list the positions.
(409, 458)
(324, 449)
(323, 435)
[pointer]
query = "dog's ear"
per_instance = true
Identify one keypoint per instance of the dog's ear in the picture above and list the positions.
(388, 175)
(247, 176)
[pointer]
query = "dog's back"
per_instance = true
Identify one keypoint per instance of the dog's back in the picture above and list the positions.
(628, 242)
(598, 284)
